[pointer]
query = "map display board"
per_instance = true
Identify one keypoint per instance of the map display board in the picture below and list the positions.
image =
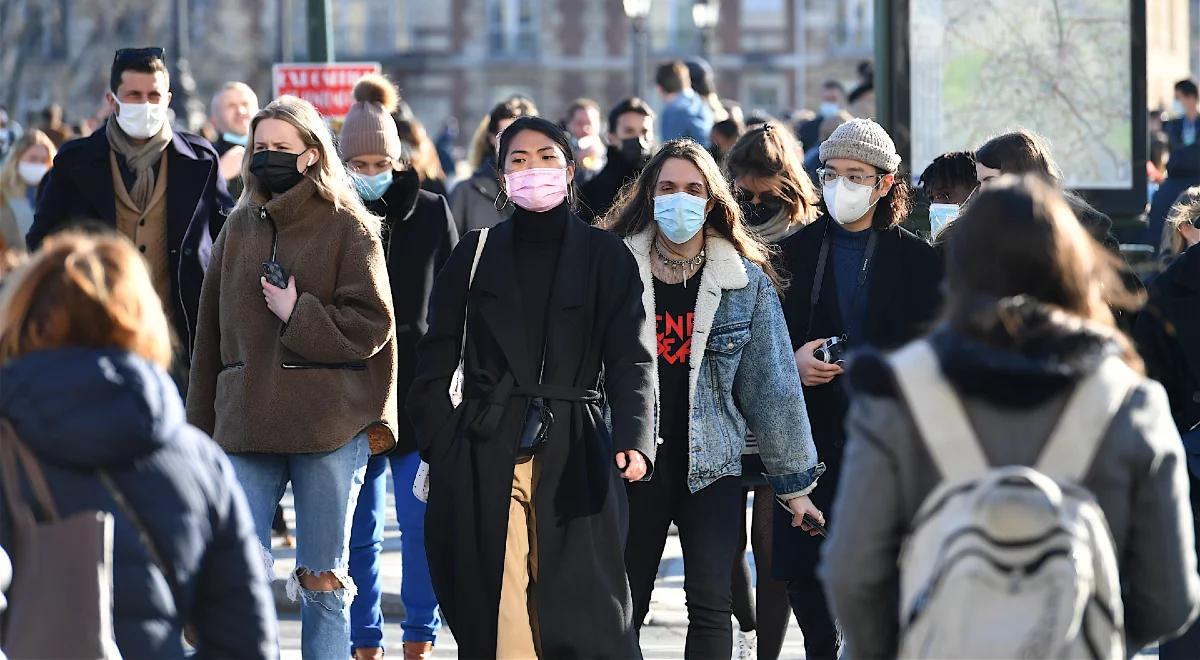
(1062, 68)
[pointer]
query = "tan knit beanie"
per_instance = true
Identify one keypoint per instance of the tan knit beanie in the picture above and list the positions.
(862, 140)
(369, 128)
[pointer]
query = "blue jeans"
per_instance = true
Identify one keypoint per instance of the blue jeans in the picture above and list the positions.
(422, 620)
(324, 486)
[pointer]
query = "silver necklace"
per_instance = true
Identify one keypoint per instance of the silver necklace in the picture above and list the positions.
(688, 266)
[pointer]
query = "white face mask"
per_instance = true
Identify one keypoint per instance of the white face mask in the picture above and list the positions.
(32, 173)
(141, 120)
(847, 202)
(941, 215)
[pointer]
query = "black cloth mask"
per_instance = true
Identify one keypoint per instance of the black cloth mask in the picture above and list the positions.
(635, 151)
(276, 169)
(758, 214)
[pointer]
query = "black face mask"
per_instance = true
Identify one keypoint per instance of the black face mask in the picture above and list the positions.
(276, 169)
(759, 214)
(635, 151)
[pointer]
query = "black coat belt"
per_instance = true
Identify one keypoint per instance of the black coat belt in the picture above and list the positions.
(496, 397)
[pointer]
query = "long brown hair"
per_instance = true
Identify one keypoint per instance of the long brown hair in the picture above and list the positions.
(772, 154)
(1020, 152)
(633, 212)
(1019, 239)
(425, 158)
(82, 290)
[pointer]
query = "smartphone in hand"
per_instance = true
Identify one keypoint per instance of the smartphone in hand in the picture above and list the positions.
(808, 520)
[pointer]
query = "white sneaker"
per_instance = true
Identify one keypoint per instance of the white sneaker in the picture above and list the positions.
(746, 647)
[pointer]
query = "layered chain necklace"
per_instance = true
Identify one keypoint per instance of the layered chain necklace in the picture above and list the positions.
(677, 266)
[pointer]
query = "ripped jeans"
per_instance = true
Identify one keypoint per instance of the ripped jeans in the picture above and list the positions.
(325, 487)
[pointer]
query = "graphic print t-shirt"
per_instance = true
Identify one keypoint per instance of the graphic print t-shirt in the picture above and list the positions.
(674, 315)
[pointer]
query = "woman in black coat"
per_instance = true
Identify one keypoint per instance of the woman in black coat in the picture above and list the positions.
(887, 280)
(558, 520)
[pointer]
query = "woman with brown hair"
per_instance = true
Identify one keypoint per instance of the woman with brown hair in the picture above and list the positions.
(294, 370)
(713, 317)
(84, 342)
(777, 200)
(424, 156)
(1024, 152)
(1027, 323)
(475, 203)
(767, 169)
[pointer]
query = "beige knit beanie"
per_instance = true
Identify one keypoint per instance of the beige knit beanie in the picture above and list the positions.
(862, 140)
(369, 128)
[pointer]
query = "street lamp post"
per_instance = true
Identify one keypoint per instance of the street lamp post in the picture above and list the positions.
(704, 15)
(637, 11)
(183, 97)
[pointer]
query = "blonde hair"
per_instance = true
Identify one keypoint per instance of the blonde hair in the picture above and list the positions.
(81, 290)
(1183, 211)
(11, 185)
(334, 183)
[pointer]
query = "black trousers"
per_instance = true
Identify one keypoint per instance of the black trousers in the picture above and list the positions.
(708, 531)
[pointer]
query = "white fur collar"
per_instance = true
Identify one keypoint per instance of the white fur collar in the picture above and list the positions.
(723, 270)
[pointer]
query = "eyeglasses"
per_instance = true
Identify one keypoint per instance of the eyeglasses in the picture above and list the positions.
(829, 176)
(131, 54)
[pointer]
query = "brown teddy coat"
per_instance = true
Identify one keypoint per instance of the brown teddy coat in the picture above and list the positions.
(313, 384)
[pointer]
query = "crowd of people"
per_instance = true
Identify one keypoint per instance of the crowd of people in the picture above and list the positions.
(617, 323)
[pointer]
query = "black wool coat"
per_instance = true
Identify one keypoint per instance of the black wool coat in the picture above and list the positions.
(903, 297)
(1168, 336)
(418, 236)
(582, 595)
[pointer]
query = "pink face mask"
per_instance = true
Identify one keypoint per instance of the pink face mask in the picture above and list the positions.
(538, 189)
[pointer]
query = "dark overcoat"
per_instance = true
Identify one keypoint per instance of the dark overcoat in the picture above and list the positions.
(903, 296)
(582, 596)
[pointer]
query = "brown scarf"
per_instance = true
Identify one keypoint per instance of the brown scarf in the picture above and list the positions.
(141, 159)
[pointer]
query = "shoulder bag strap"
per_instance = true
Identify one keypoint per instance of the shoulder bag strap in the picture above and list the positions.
(1072, 446)
(938, 413)
(15, 456)
(814, 295)
(462, 349)
(143, 535)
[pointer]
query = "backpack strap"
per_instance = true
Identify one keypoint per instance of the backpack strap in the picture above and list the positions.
(939, 415)
(1072, 446)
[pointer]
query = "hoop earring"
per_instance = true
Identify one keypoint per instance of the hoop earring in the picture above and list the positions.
(497, 204)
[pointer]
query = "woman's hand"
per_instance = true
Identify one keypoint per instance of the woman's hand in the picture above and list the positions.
(813, 371)
(800, 506)
(281, 302)
(632, 465)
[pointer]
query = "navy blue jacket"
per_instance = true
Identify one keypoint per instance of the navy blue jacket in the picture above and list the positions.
(82, 409)
(80, 188)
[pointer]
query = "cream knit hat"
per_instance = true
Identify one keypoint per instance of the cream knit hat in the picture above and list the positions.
(862, 140)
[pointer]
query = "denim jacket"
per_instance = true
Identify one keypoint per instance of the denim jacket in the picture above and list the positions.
(742, 374)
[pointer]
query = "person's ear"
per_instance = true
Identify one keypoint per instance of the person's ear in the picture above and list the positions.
(886, 183)
(113, 105)
(169, 97)
(570, 172)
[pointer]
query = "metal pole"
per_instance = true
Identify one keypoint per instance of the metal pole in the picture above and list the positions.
(320, 31)
(639, 57)
(287, 44)
(184, 85)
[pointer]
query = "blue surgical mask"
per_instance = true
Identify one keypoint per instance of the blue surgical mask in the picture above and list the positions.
(234, 138)
(941, 215)
(374, 186)
(680, 216)
(1177, 108)
(829, 109)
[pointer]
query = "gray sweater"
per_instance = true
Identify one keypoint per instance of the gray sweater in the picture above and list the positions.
(1139, 478)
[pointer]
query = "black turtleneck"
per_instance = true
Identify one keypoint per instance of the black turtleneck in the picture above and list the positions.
(537, 241)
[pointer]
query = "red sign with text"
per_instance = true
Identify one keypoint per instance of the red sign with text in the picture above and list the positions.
(329, 87)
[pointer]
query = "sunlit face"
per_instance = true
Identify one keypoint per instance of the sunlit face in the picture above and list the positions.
(371, 165)
(633, 125)
(531, 150)
(679, 175)
(233, 111)
(984, 173)
(278, 135)
(858, 172)
(139, 87)
(585, 122)
(36, 154)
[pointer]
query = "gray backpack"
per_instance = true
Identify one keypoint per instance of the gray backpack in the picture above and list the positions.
(1009, 561)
